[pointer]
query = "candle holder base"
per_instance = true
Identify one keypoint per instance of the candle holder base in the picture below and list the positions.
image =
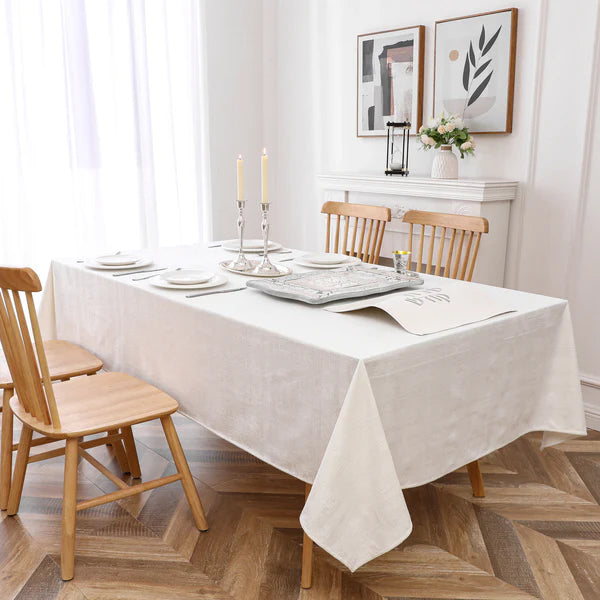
(267, 269)
(277, 270)
(241, 264)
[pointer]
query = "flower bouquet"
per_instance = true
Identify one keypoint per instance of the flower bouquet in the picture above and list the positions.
(443, 133)
(447, 131)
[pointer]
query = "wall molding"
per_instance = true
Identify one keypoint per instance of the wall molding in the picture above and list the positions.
(464, 190)
(592, 416)
(591, 400)
(526, 189)
(590, 381)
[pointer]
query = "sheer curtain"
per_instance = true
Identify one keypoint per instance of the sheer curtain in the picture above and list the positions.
(102, 128)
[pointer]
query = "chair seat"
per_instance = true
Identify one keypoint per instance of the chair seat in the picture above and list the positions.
(65, 360)
(104, 402)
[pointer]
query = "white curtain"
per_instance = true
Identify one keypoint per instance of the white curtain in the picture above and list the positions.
(102, 128)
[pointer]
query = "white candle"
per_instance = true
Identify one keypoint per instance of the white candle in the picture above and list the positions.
(240, 179)
(264, 174)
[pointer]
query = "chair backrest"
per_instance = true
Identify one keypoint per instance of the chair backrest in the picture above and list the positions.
(456, 265)
(34, 391)
(369, 220)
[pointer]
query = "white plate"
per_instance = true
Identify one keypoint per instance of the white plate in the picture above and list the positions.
(250, 246)
(117, 260)
(94, 264)
(214, 282)
(186, 276)
(325, 258)
(350, 260)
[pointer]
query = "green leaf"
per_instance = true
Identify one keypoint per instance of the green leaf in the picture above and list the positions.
(471, 53)
(482, 37)
(482, 68)
(489, 45)
(480, 89)
(466, 73)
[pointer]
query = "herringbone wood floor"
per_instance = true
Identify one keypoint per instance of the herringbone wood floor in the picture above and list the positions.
(535, 535)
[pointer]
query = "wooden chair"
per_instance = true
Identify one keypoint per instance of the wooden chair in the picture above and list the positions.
(65, 360)
(369, 220)
(73, 409)
(456, 265)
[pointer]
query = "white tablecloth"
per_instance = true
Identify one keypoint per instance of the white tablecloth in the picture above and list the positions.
(349, 402)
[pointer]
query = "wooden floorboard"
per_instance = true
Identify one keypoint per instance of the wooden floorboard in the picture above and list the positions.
(536, 535)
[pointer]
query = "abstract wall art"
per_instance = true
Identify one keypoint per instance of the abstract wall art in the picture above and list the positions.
(474, 70)
(389, 79)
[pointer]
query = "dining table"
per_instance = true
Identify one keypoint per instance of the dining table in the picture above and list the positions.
(350, 402)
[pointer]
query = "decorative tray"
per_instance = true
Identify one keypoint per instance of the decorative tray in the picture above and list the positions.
(319, 287)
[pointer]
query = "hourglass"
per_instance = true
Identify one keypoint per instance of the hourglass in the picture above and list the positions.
(398, 136)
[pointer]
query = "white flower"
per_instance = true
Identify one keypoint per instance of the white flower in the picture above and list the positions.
(422, 129)
(425, 139)
(434, 123)
(458, 123)
(466, 145)
(441, 129)
(450, 127)
(430, 141)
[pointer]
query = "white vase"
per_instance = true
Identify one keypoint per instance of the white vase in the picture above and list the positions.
(445, 164)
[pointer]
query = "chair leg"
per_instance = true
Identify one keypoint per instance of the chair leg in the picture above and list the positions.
(132, 456)
(119, 451)
(16, 488)
(67, 556)
(307, 553)
(6, 448)
(184, 470)
(476, 479)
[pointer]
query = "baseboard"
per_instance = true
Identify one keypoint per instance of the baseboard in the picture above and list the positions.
(590, 388)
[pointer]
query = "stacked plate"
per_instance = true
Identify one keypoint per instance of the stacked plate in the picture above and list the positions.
(326, 260)
(112, 262)
(188, 279)
(250, 246)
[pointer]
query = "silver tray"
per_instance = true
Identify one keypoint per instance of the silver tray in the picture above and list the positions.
(319, 287)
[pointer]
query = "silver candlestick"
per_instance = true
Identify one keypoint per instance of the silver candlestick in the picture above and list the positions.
(266, 267)
(241, 263)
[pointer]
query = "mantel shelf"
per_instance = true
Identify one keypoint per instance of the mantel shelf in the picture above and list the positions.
(466, 190)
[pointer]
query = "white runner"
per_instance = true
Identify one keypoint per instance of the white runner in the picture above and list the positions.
(433, 308)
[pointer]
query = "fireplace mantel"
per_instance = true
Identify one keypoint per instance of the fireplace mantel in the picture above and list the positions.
(488, 198)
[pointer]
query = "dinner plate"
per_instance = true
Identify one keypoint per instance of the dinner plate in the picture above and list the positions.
(325, 258)
(213, 282)
(186, 276)
(350, 260)
(117, 260)
(250, 246)
(141, 262)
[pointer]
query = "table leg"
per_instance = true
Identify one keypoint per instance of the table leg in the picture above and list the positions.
(476, 479)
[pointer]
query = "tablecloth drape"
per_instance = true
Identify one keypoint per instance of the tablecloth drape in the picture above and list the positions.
(349, 402)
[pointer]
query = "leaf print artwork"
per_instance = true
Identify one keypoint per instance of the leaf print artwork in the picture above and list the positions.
(475, 58)
(479, 67)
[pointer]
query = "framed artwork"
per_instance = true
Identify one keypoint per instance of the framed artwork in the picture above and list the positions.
(474, 71)
(389, 79)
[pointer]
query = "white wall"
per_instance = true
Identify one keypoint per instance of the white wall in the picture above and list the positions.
(309, 58)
